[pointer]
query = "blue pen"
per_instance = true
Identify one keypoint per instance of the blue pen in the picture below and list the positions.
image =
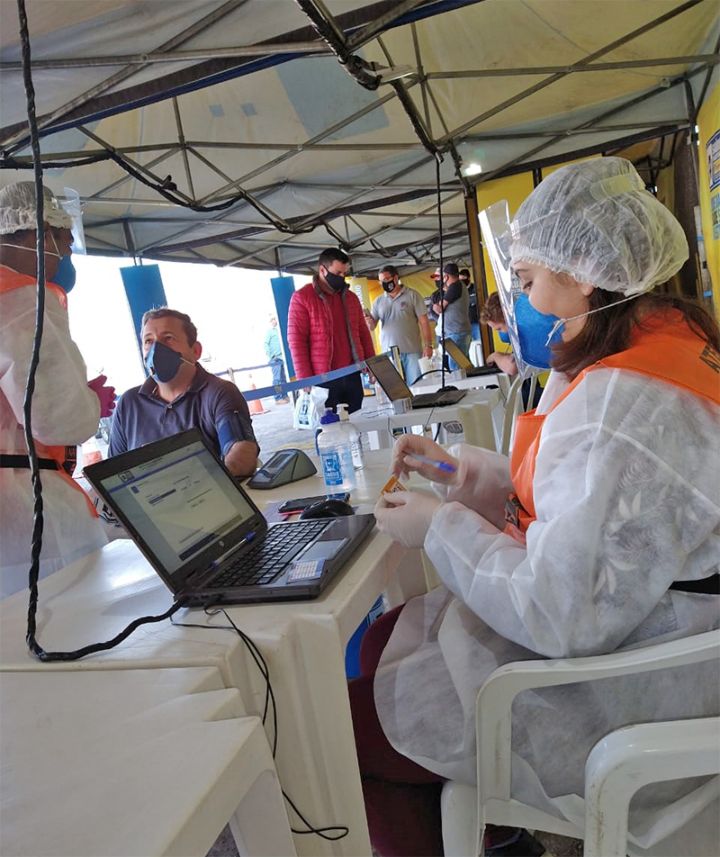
(433, 462)
(241, 544)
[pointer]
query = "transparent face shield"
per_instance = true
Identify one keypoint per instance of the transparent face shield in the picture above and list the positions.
(496, 230)
(72, 207)
(531, 333)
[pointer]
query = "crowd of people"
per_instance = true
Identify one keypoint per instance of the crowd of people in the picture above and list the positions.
(327, 330)
(599, 533)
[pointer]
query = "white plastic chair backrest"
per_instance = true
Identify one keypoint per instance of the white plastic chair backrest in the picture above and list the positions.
(503, 385)
(632, 757)
(494, 701)
(513, 406)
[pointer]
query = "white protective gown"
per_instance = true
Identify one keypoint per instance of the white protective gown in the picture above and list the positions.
(65, 412)
(627, 496)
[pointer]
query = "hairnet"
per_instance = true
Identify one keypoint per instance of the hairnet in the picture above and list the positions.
(596, 222)
(18, 211)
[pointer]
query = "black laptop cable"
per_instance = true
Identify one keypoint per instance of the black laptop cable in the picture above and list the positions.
(330, 833)
(38, 519)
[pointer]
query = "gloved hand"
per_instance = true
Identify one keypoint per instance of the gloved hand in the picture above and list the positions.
(104, 393)
(414, 444)
(405, 516)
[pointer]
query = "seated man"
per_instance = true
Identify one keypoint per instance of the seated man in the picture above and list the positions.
(181, 395)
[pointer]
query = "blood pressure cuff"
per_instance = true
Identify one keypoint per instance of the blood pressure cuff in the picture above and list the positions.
(230, 430)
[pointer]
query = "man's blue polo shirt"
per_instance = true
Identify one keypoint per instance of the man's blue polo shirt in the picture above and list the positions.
(214, 406)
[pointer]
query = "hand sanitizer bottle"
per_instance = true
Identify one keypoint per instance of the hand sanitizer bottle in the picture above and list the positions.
(335, 454)
(353, 436)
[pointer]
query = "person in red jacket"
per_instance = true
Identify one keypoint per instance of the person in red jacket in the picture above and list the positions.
(327, 330)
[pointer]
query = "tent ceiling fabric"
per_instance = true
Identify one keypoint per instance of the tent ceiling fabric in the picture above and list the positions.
(252, 104)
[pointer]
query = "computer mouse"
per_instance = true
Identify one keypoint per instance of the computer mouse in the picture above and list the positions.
(447, 388)
(328, 508)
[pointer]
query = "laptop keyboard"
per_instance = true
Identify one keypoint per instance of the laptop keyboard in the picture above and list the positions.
(265, 560)
(436, 400)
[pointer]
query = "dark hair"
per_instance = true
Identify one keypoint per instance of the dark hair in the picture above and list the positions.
(451, 269)
(464, 272)
(166, 312)
(19, 235)
(332, 254)
(389, 269)
(492, 310)
(610, 331)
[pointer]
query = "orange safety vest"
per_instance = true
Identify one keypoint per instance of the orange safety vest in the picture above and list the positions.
(64, 457)
(665, 348)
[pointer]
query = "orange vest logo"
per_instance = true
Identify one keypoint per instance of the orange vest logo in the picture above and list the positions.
(711, 358)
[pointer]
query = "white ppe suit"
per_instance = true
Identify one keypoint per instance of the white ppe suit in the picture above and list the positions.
(64, 412)
(627, 499)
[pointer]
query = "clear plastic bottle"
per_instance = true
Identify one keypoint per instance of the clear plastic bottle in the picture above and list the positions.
(335, 454)
(353, 435)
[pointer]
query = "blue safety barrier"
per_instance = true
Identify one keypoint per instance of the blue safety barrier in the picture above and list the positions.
(282, 389)
(243, 369)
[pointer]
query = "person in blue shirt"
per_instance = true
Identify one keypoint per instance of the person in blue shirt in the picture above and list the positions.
(492, 315)
(180, 395)
(273, 350)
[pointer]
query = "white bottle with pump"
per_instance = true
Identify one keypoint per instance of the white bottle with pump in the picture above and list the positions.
(335, 454)
(353, 436)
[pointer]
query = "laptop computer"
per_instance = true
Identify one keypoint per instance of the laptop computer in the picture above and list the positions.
(205, 537)
(392, 383)
(463, 361)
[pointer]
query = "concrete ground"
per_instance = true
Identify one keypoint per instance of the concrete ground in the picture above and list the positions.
(274, 428)
(557, 846)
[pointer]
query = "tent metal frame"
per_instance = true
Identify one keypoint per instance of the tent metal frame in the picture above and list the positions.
(430, 138)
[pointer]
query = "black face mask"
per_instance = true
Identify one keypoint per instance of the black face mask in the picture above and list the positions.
(335, 281)
(388, 285)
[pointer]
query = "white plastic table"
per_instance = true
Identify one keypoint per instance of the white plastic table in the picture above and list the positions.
(480, 413)
(302, 642)
(431, 382)
(133, 763)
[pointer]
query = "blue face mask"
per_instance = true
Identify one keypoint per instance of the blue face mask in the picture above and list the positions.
(503, 336)
(534, 331)
(163, 363)
(65, 274)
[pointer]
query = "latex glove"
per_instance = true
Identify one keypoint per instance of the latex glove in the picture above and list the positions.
(105, 393)
(403, 464)
(406, 516)
(504, 362)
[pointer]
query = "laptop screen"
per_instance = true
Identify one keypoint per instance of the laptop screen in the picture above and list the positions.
(180, 503)
(457, 355)
(388, 377)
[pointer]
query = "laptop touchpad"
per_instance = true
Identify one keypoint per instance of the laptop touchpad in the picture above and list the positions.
(322, 549)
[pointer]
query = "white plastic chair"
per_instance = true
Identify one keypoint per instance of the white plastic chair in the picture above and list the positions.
(514, 406)
(631, 757)
(467, 809)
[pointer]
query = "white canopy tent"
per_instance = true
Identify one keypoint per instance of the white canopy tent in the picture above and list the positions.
(258, 132)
